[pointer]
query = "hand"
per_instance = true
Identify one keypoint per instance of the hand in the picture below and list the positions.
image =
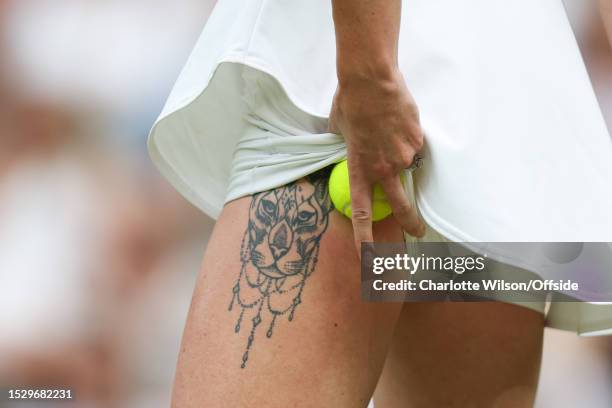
(379, 121)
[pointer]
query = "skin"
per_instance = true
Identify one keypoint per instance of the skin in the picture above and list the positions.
(605, 7)
(383, 137)
(483, 354)
(332, 353)
(326, 347)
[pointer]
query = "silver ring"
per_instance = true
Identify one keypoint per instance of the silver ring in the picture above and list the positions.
(417, 162)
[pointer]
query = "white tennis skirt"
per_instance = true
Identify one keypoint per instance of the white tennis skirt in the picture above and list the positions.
(279, 144)
(516, 148)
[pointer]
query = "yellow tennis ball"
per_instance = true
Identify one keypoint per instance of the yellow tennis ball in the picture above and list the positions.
(340, 193)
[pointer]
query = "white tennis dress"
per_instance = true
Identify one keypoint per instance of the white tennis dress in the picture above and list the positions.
(516, 146)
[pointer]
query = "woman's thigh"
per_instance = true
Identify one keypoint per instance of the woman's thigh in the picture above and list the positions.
(481, 354)
(276, 318)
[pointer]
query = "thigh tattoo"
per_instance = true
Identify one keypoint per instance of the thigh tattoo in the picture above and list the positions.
(279, 252)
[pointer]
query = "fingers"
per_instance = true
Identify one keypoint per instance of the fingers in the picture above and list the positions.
(361, 208)
(403, 211)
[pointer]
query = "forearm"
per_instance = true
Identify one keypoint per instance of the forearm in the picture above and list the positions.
(605, 7)
(367, 33)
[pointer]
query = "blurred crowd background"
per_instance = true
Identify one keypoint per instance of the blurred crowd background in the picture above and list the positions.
(98, 255)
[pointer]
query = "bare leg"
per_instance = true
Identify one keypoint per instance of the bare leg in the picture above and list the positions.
(484, 354)
(296, 333)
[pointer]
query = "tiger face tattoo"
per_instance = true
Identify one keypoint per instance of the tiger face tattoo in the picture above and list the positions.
(279, 252)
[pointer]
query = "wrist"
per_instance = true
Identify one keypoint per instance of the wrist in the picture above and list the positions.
(366, 71)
